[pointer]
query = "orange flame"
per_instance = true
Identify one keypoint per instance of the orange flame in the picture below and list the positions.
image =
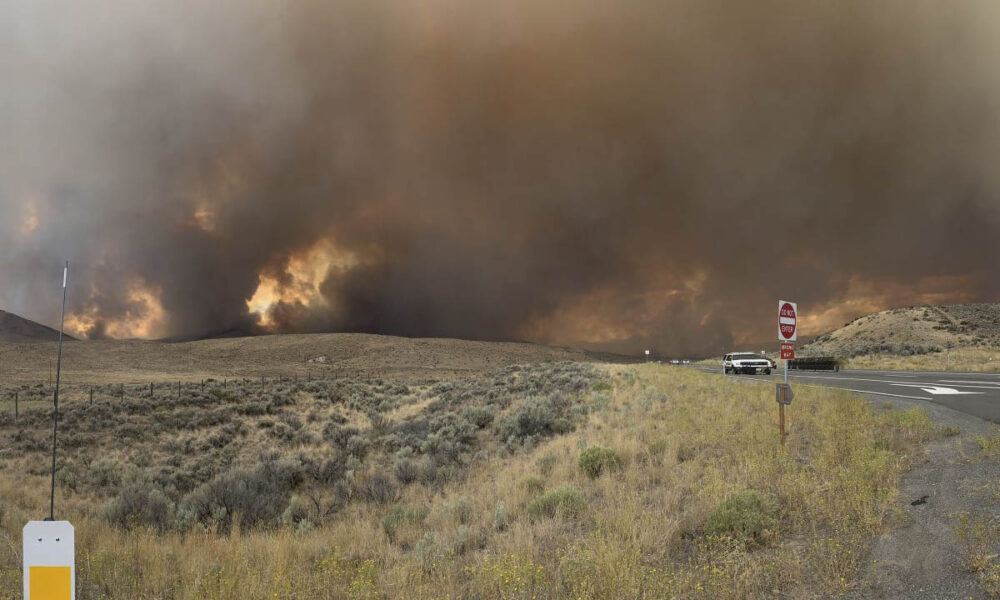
(144, 317)
(304, 274)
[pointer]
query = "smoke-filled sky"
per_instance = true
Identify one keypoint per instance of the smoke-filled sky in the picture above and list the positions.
(617, 175)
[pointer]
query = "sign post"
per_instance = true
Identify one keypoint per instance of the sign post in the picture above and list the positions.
(787, 334)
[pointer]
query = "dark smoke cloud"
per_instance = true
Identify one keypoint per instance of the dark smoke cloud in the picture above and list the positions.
(617, 174)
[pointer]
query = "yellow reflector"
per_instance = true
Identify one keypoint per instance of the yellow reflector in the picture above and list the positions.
(50, 583)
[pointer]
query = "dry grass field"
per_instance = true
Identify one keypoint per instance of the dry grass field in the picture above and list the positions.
(968, 360)
(290, 356)
(556, 480)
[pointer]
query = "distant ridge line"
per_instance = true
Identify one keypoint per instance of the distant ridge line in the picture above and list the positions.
(14, 328)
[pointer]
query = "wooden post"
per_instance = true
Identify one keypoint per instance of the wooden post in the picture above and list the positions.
(150, 389)
(15, 405)
(781, 422)
(178, 390)
(91, 395)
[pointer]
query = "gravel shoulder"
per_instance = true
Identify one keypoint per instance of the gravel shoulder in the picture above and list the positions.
(920, 555)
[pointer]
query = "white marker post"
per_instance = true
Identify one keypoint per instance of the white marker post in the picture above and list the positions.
(49, 561)
(49, 545)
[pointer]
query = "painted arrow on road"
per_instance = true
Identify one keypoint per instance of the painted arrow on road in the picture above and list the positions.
(936, 390)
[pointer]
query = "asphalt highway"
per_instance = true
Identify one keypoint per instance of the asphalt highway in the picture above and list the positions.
(973, 393)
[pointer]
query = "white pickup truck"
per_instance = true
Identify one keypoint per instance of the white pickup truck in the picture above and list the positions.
(746, 362)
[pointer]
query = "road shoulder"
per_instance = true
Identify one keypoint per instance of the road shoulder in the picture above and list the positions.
(920, 555)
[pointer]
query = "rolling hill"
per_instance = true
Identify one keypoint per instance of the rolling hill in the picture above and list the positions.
(20, 330)
(299, 355)
(913, 330)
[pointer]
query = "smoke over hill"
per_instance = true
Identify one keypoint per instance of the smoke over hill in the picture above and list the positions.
(619, 175)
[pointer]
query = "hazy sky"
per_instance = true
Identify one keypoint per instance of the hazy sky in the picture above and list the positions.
(618, 175)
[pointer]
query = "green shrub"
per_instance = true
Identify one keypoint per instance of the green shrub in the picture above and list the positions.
(139, 504)
(534, 485)
(537, 418)
(565, 501)
(500, 517)
(602, 385)
(105, 473)
(377, 489)
(406, 471)
(597, 460)
(460, 509)
(685, 453)
(547, 462)
(257, 495)
(743, 516)
(401, 514)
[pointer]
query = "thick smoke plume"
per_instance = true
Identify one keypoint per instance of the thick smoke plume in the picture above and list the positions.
(615, 174)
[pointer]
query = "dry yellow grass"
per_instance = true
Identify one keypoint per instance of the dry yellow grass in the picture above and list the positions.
(980, 360)
(137, 361)
(687, 441)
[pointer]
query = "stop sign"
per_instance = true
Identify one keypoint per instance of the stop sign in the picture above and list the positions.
(786, 321)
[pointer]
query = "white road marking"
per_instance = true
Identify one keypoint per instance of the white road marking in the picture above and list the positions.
(925, 373)
(826, 387)
(989, 386)
(933, 388)
(936, 390)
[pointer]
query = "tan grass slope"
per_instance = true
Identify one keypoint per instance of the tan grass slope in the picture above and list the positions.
(333, 354)
(913, 330)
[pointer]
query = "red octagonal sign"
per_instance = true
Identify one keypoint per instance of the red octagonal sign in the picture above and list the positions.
(786, 321)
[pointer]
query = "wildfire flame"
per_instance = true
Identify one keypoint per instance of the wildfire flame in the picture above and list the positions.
(144, 317)
(299, 282)
(30, 222)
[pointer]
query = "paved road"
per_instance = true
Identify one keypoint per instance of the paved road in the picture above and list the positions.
(973, 393)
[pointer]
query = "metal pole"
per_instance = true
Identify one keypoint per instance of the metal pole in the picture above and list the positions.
(55, 400)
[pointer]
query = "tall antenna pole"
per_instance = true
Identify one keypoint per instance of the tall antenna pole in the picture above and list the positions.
(55, 399)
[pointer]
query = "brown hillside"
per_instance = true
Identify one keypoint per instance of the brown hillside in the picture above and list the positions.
(18, 329)
(335, 354)
(913, 330)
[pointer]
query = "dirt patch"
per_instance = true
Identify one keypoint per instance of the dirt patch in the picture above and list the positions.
(921, 556)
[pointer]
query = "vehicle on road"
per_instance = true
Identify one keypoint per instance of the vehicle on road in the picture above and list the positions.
(747, 363)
